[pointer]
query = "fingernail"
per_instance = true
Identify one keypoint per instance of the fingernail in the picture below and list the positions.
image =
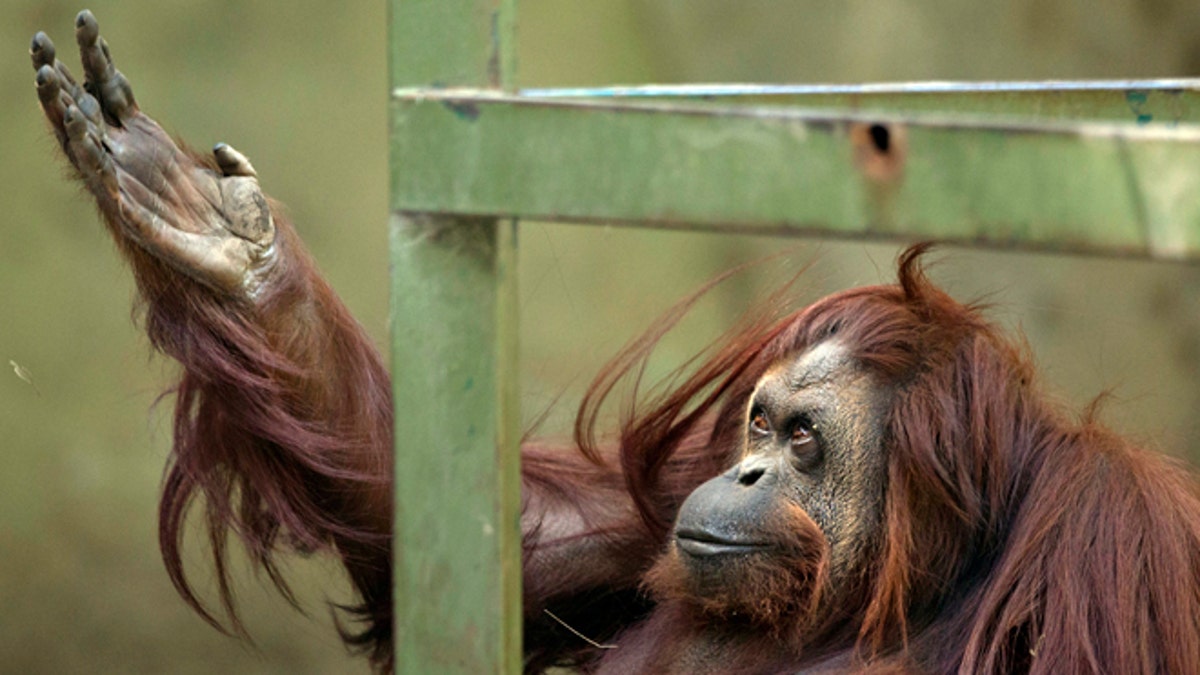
(86, 27)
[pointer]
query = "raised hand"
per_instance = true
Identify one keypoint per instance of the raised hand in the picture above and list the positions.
(206, 218)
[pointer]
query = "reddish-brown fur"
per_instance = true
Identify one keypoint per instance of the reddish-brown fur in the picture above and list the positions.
(1017, 538)
(786, 588)
(282, 423)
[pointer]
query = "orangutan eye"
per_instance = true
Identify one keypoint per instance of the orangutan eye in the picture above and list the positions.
(807, 454)
(759, 424)
(802, 434)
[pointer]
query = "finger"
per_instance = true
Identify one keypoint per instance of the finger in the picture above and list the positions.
(55, 102)
(88, 153)
(41, 51)
(90, 107)
(247, 213)
(232, 162)
(43, 55)
(101, 78)
(53, 99)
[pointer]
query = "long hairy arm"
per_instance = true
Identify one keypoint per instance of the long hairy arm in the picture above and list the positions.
(584, 551)
(283, 410)
(283, 419)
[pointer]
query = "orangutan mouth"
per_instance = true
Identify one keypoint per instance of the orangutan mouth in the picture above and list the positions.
(699, 543)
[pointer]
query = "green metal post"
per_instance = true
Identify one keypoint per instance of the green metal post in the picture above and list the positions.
(457, 542)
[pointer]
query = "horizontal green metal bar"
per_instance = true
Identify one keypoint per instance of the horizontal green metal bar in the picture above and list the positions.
(1139, 101)
(1119, 189)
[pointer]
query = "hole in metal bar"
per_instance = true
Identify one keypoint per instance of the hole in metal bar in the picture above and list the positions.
(880, 151)
(881, 137)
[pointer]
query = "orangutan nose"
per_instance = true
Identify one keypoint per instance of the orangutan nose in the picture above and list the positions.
(754, 468)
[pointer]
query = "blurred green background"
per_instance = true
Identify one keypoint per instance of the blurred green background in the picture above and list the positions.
(301, 88)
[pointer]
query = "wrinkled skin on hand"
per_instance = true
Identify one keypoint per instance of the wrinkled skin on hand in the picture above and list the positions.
(205, 218)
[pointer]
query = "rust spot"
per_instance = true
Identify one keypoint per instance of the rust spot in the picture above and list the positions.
(880, 151)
